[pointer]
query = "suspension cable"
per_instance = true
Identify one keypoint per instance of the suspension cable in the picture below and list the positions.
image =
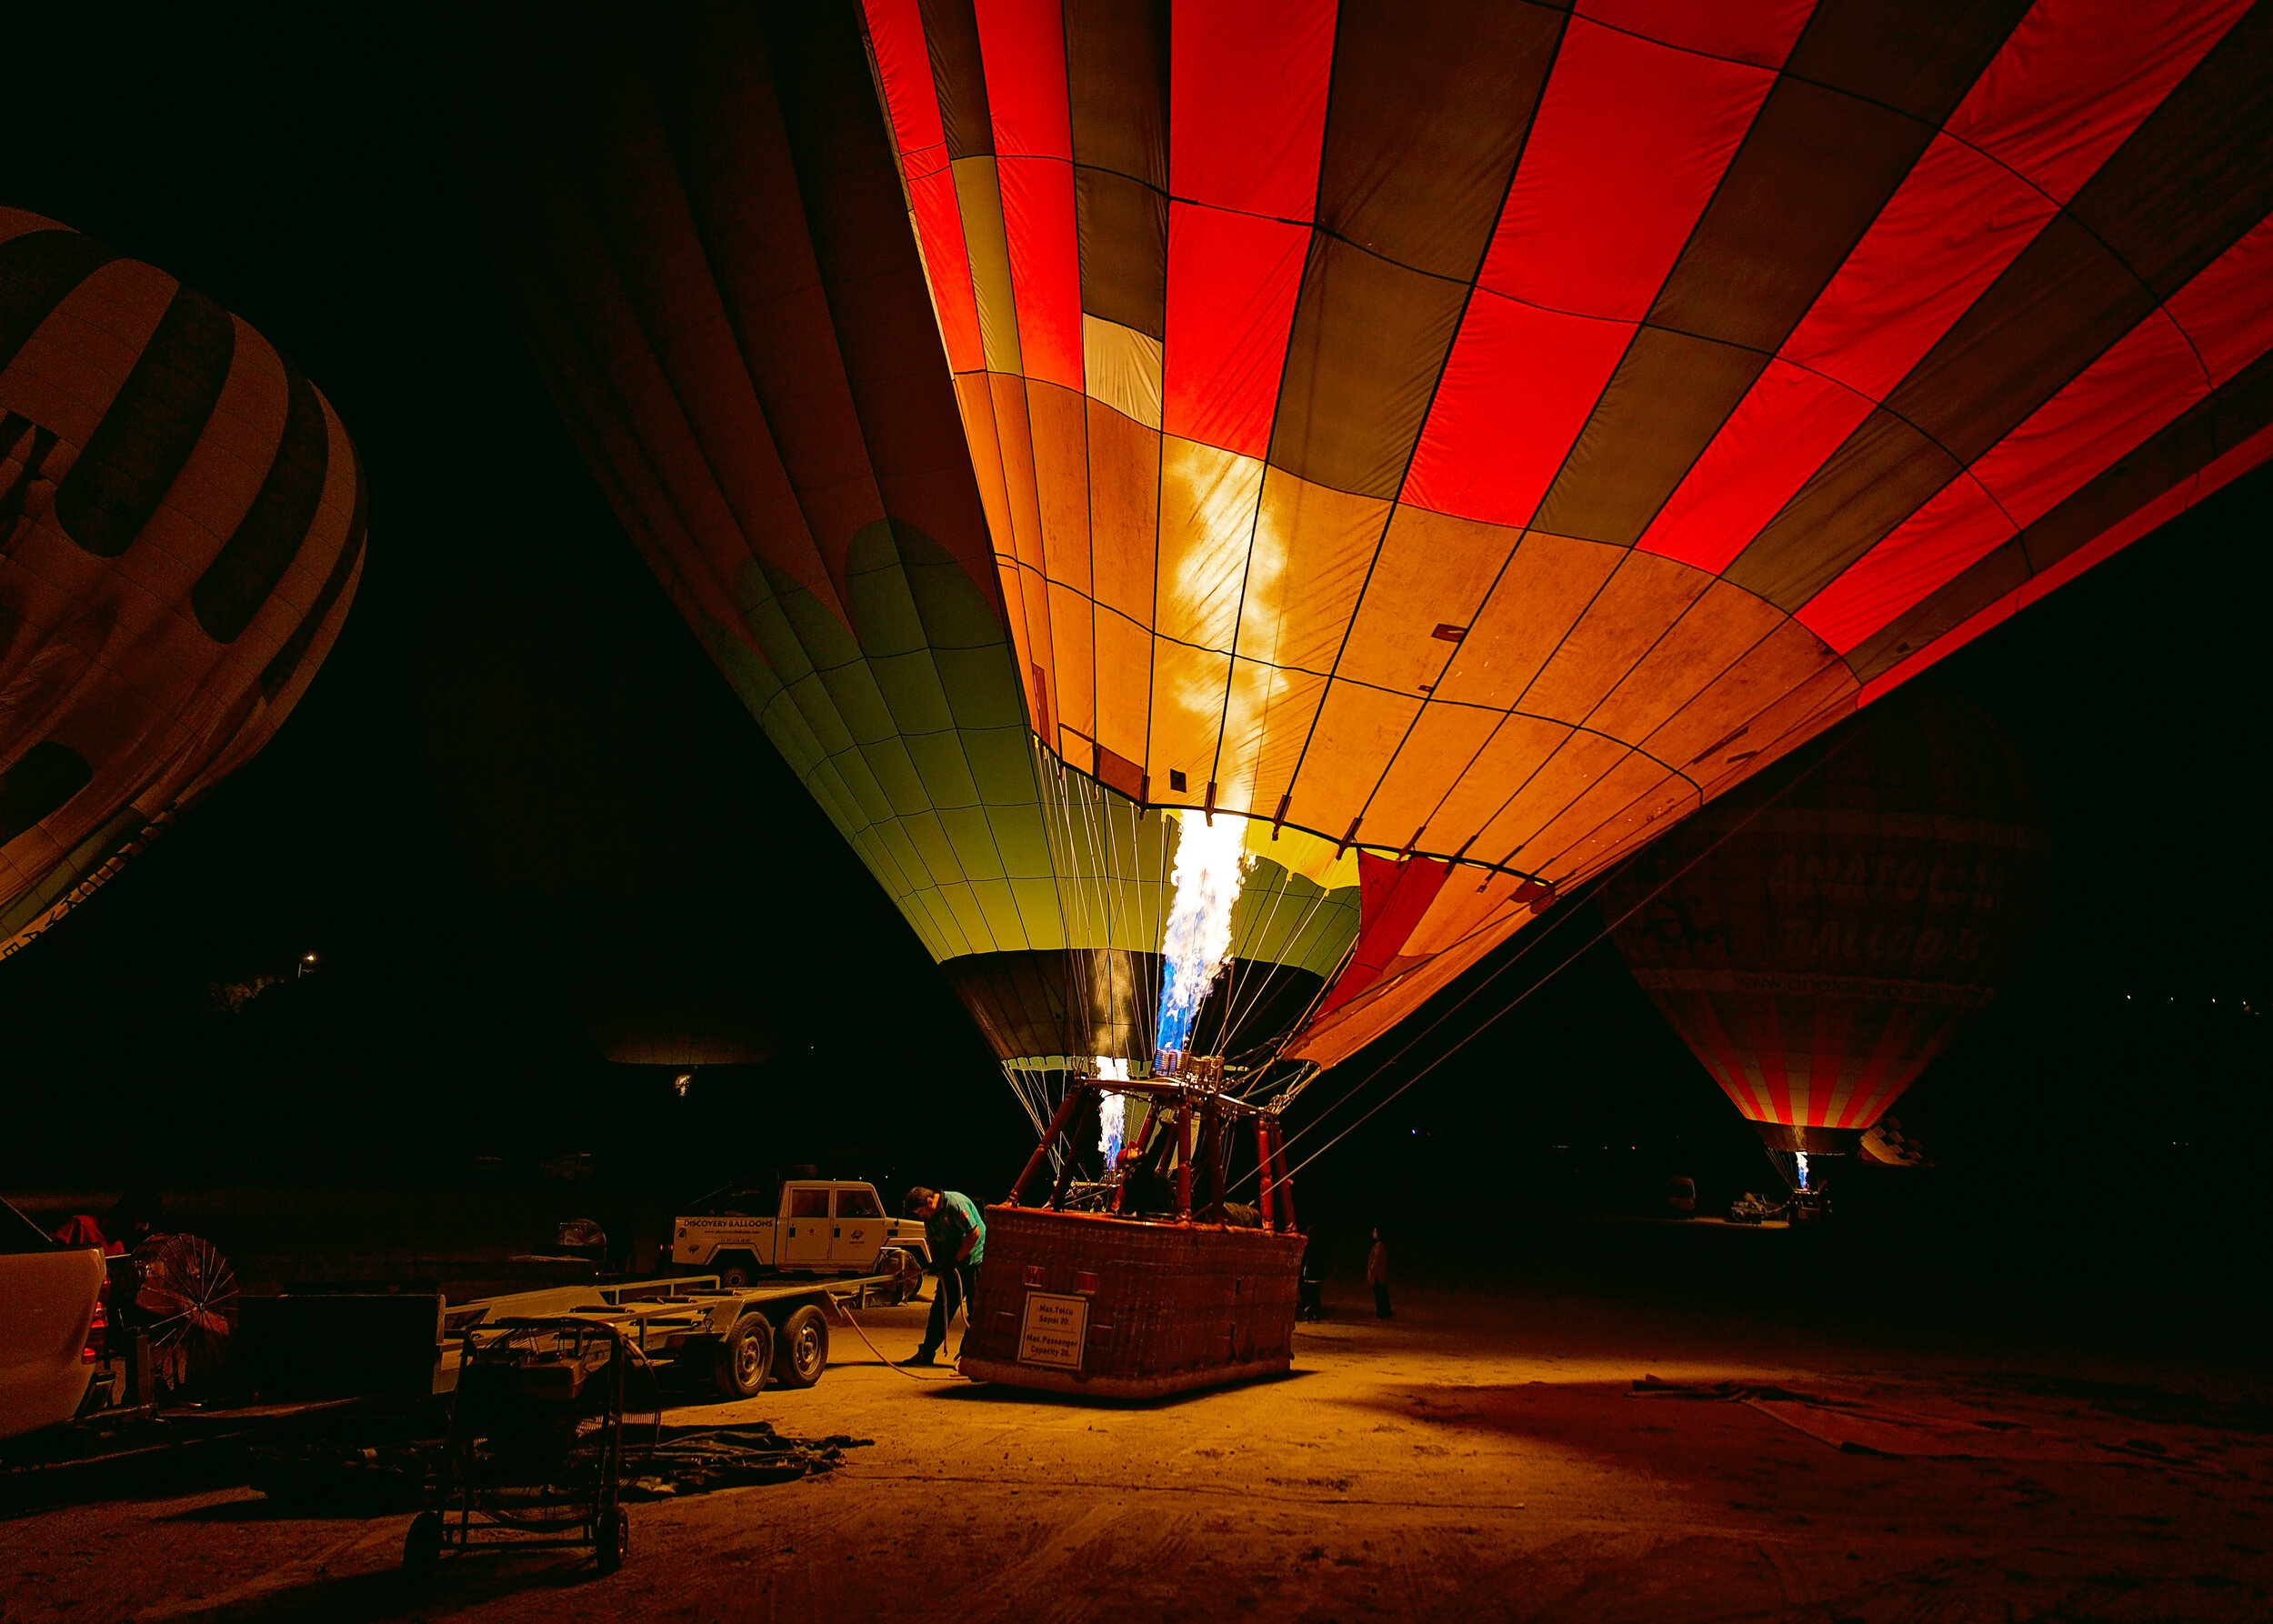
(1651, 896)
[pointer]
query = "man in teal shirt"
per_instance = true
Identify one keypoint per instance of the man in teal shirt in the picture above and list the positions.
(957, 1238)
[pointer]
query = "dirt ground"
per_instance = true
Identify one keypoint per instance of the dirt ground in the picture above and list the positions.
(1478, 1458)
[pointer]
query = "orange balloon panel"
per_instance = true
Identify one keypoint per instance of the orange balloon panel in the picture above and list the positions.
(1487, 433)
(181, 530)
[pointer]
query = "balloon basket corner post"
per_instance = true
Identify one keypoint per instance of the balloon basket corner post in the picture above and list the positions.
(1149, 1281)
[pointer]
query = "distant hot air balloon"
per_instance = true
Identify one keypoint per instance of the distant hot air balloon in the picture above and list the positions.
(1480, 433)
(698, 219)
(1819, 935)
(181, 531)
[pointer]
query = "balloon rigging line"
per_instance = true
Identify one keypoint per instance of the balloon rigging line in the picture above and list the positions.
(1440, 1060)
(1088, 890)
(1064, 859)
(1653, 892)
(1068, 846)
(1645, 901)
(1302, 1080)
(1310, 1009)
(1093, 895)
(1160, 902)
(1302, 927)
(1246, 974)
(1525, 952)
(1527, 948)
(1155, 923)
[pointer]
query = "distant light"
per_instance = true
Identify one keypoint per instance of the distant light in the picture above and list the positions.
(308, 958)
(679, 1083)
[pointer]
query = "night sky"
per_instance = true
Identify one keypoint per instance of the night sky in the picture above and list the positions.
(518, 784)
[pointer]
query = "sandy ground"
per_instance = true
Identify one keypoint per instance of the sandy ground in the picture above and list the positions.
(1476, 1457)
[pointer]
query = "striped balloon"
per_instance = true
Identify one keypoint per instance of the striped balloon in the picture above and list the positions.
(181, 530)
(1480, 433)
(1822, 933)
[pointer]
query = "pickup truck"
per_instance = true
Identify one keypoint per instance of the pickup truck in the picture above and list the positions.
(809, 1227)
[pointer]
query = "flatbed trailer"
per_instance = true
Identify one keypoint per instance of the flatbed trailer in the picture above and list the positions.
(736, 1336)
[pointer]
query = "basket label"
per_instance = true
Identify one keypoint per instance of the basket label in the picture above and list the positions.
(1054, 1331)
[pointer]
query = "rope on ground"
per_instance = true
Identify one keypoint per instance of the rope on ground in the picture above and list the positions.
(961, 1312)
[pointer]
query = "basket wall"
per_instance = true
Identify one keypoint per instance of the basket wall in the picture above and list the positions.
(1171, 1306)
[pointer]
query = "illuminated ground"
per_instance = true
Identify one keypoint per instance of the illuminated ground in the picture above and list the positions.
(1476, 1458)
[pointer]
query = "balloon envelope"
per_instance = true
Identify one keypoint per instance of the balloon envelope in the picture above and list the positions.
(698, 218)
(1460, 440)
(181, 532)
(1480, 434)
(1819, 935)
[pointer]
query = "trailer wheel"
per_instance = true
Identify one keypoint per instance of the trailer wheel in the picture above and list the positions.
(739, 1368)
(801, 1349)
(611, 1541)
(422, 1546)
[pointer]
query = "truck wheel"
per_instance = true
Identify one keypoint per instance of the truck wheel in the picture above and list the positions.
(738, 1272)
(906, 1271)
(801, 1348)
(738, 1370)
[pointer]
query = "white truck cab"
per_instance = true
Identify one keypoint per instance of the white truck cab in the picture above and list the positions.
(801, 1226)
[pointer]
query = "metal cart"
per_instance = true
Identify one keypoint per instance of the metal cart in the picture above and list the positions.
(535, 1451)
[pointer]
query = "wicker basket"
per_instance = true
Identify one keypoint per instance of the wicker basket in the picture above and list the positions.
(1079, 1302)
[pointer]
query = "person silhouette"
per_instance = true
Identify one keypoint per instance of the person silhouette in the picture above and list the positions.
(1377, 1276)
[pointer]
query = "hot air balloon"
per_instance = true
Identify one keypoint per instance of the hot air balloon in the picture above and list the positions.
(1821, 934)
(181, 531)
(698, 218)
(1478, 435)
(1457, 441)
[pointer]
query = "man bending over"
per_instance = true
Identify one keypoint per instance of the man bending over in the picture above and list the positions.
(958, 1238)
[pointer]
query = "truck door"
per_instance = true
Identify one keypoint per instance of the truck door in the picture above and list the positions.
(806, 1215)
(858, 1233)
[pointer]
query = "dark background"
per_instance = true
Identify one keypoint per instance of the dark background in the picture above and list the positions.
(518, 784)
